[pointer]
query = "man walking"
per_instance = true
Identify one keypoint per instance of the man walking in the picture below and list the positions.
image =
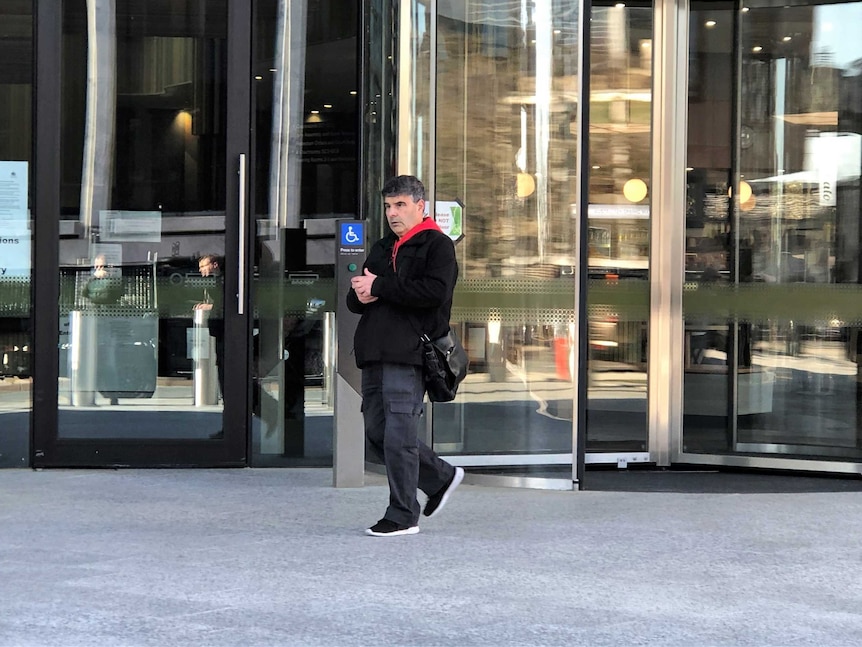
(404, 291)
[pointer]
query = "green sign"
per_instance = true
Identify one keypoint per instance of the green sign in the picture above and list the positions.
(449, 215)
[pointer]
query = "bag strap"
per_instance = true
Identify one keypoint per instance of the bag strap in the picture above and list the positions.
(423, 336)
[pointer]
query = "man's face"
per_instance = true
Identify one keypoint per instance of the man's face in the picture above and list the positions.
(207, 267)
(402, 213)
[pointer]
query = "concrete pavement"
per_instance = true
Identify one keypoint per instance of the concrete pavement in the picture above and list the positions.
(278, 557)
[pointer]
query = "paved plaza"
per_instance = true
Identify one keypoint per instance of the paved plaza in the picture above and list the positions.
(278, 557)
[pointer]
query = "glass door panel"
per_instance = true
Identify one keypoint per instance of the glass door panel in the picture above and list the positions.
(619, 225)
(16, 92)
(148, 223)
(772, 297)
(304, 179)
(506, 133)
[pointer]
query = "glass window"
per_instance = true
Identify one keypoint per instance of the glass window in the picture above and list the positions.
(16, 97)
(772, 294)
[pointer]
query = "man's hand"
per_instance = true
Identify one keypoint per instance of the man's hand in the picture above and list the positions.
(362, 286)
(203, 306)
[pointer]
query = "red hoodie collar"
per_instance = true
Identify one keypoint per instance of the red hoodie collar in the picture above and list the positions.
(426, 224)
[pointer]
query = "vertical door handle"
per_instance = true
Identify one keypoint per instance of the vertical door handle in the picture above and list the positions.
(240, 293)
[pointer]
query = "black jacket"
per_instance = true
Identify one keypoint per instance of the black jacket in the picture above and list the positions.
(415, 297)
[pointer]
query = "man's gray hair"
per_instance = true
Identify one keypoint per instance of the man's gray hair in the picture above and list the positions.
(404, 185)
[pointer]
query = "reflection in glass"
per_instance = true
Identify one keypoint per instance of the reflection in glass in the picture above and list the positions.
(773, 215)
(378, 141)
(304, 178)
(506, 149)
(619, 220)
(415, 109)
(143, 201)
(16, 95)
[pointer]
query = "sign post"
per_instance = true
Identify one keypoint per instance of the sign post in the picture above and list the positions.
(348, 452)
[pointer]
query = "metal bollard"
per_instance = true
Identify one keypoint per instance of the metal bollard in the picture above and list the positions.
(82, 358)
(205, 374)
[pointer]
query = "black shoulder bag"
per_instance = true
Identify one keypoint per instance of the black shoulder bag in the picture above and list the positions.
(444, 365)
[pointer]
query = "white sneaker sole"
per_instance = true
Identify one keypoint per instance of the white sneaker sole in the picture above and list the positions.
(396, 533)
(456, 481)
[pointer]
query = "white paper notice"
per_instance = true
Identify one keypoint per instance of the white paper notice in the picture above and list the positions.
(14, 220)
(13, 194)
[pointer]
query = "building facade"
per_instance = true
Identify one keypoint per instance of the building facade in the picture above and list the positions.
(655, 206)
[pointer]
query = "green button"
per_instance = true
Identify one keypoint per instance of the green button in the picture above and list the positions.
(352, 267)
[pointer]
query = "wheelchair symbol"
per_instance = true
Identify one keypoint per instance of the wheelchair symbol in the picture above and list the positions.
(349, 236)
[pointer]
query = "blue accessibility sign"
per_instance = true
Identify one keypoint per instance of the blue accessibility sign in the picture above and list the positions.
(352, 234)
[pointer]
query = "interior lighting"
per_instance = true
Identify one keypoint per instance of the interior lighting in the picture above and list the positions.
(601, 343)
(635, 190)
(327, 105)
(709, 24)
(745, 193)
(620, 5)
(756, 49)
(258, 77)
(749, 204)
(353, 93)
(786, 39)
(183, 122)
(525, 185)
(745, 10)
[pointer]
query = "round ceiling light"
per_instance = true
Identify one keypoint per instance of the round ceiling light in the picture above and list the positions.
(635, 190)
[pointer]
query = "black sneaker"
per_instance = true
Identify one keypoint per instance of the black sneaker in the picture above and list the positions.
(435, 503)
(386, 528)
